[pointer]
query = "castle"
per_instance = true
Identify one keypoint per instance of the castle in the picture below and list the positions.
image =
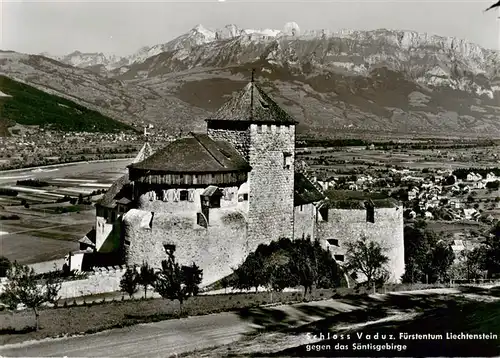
(215, 196)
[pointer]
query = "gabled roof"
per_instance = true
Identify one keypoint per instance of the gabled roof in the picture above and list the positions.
(252, 105)
(144, 153)
(195, 154)
(305, 191)
(211, 190)
(124, 201)
(113, 193)
(88, 239)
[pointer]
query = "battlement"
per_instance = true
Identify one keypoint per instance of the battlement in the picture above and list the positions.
(107, 271)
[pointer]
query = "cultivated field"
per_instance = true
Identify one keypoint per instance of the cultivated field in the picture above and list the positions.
(329, 161)
(46, 230)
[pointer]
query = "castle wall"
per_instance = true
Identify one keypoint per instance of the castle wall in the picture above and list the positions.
(304, 221)
(271, 184)
(104, 280)
(103, 230)
(216, 249)
(239, 138)
(348, 225)
(168, 201)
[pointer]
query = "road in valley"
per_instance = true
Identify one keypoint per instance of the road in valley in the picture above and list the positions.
(167, 338)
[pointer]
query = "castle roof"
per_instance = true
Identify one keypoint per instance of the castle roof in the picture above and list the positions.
(212, 190)
(113, 193)
(88, 239)
(252, 105)
(144, 153)
(195, 154)
(352, 199)
(305, 192)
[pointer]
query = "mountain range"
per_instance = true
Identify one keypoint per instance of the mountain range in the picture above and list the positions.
(379, 81)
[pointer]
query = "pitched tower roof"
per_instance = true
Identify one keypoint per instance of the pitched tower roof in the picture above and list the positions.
(252, 105)
(144, 153)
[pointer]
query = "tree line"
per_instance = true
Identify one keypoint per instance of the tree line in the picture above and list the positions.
(430, 259)
(304, 262)
(172, 281)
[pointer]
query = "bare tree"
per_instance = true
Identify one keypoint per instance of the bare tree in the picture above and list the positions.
(24, 288)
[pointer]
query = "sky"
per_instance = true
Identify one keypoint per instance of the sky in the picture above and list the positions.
(122, 27)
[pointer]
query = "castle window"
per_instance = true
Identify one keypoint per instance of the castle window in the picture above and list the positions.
(339, 258)
(301, 208)
(169, 248)
(184, 194)
(333, 242)
(245, 197)
(324, 213)
(201, 220)
(370, 212)
(287, 160)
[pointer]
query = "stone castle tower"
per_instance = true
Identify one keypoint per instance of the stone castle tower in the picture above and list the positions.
(264, 135)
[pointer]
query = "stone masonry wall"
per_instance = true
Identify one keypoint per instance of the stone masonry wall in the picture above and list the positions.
(147, 202)
(347, 225)
(106, 279)
(102, 231)
(271, 185)
(216, 249)
(304, 221)
(239, 139)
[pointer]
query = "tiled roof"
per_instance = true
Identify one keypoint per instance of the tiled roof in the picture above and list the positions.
(211, 190)
(88, 239)
(253, 105)
(144, 153)
(195, 154)
(113, 193)
(305, 191)
(118, 191)
(124, 201)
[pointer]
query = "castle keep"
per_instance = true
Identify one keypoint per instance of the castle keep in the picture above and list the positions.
(216, 196)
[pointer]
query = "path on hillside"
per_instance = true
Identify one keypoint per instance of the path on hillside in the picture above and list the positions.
(166, 338)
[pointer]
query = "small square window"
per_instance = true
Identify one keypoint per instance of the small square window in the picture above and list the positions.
(324, 213)
(287, 160)
(333, 242)
(183, 195)
(245, 197)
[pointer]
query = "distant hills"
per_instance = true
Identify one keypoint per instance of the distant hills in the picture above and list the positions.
(385, 81)
(23, 104)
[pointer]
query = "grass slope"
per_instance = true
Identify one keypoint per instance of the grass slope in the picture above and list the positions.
(30, 106)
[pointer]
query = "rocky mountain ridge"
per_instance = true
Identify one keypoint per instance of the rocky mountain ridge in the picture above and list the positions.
(381, 80)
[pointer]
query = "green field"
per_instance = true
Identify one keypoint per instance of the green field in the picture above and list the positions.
(30, 106)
